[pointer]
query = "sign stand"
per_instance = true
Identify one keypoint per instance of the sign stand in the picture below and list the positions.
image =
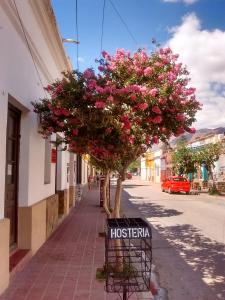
(128, 242)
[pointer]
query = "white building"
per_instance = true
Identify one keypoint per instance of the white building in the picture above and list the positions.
(37, 182)
(219, 169)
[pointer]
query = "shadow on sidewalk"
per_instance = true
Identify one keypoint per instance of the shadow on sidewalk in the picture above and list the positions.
(204, 255)
(150, 210)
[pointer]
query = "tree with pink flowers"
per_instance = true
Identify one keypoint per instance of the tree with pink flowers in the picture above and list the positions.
(135, 101)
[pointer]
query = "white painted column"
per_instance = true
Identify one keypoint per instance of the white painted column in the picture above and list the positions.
(3, 129)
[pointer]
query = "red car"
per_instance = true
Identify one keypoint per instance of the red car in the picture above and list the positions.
(128, 175)
(175, 184)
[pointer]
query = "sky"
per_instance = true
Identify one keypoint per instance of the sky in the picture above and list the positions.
(194, 29)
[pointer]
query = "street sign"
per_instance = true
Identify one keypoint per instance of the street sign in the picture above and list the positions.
(128, 245)
(54, 156)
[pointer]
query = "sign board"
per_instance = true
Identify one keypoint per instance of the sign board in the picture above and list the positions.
(129, 233)
(54, 156)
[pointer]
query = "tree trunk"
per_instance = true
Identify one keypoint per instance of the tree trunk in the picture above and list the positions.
(105, 196)
(117, 202)
(116, 214)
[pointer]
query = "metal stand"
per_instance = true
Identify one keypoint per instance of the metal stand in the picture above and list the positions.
(124, 293)
(128, 240)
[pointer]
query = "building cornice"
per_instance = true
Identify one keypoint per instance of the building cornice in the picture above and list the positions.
(51, 36)
(47, 22)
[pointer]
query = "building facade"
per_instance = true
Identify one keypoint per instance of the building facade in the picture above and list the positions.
(37, 179)
(151, 165)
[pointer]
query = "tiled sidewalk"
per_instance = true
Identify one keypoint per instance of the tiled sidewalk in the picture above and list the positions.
(65, 266)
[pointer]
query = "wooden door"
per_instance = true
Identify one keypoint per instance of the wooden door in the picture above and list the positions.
(12, 168)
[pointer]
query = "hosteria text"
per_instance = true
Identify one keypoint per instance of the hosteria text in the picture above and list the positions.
(129, 233)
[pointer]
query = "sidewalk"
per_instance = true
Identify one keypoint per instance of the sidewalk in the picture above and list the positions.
(65, 266)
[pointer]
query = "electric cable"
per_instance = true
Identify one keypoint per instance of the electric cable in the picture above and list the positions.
(77, 35)
(29, 48)
(102, 28)
(124, 23)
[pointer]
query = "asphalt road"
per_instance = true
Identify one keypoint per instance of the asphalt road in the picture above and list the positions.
(188, 239)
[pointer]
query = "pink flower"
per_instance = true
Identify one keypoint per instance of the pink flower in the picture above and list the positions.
(101, 68)
(61, 124)
(48, 88)
(142, 106)
(75, 132)
(105, 55)
(190, 91)
(158, 64)
(161, 77)
(99, 104)
(190, 130)
(58, 90)
(99, 89)
(155, 139)
(133, 97)
(110, 98)
(156, 110)
(157, 120)
(180, 117)
(153, 92)
(165, 50)
(148, 71)
(88, 73)
(108, 130)
(180, 130)
(163, 130)
(124, 119)
(65, 112)
(91, 84)
(131, 139)
(143, 89)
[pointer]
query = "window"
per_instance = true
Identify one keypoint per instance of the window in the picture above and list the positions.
(47, 170)
(179, 179)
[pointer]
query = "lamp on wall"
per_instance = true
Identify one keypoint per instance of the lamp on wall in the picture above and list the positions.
(72, 41)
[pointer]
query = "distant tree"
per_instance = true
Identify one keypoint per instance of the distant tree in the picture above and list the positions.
(134, 166)
(184, 159)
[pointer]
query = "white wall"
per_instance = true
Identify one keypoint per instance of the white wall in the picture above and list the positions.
(143, 169)
(19, 78)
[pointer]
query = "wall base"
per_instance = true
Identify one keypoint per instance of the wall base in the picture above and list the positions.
(4, 254)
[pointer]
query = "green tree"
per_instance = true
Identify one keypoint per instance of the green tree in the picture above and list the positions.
(184, 159)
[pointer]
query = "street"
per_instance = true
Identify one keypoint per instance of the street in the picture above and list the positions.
(189, 233)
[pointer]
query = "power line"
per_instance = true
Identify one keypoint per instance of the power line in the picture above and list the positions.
(124, 23)
(102, 30)
(29, 48)
(77, 32)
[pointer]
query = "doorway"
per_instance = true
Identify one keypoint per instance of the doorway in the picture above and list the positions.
(12, 170)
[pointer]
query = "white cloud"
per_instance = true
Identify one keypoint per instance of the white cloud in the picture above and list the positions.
(185, 1)
(203, 53)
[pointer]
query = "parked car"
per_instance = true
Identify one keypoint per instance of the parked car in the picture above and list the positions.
(175, 184)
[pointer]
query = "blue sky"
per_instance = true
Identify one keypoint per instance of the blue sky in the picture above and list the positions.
(195, 29)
